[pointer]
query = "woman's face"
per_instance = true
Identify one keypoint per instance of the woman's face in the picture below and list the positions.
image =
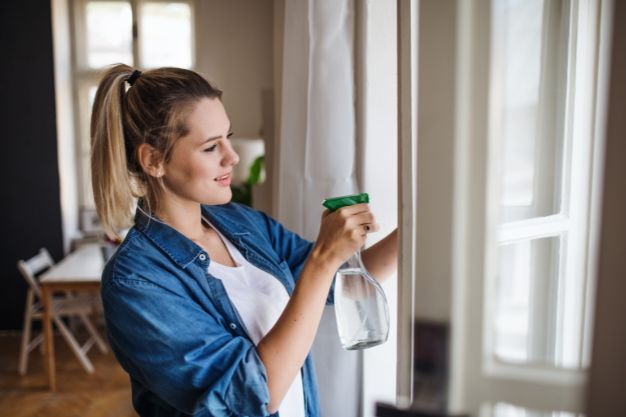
(201, 163)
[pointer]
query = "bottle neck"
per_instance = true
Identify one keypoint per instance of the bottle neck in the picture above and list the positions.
(355, 261)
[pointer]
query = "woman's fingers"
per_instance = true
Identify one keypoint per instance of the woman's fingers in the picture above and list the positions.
(358, 220)
(343, 231)
(371, 227)
(353, 209)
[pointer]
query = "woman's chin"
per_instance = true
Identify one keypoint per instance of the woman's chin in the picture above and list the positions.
(223, 198)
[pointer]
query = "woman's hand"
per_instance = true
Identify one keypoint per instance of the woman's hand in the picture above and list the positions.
(342, 233)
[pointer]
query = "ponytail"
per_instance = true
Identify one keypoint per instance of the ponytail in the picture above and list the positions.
(113, 191)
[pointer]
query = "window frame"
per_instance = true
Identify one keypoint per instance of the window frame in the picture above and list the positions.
(571, 224)
(471, 383)
(84, 77)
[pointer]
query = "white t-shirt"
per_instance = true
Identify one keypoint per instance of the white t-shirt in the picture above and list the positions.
(259, 299)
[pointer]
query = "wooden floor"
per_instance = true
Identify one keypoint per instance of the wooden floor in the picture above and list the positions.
(106, 393)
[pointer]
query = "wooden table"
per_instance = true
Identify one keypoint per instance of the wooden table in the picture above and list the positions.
(79, 271)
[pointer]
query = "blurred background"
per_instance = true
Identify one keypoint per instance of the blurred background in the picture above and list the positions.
(489, 131)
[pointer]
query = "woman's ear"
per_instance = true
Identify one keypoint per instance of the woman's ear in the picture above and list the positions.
(151, 160)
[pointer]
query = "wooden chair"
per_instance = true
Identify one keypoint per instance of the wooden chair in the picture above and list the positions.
(63, 306)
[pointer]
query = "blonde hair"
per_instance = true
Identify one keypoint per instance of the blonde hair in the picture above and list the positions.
(153, 110)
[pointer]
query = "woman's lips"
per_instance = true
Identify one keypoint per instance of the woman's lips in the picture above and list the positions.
(223, 180)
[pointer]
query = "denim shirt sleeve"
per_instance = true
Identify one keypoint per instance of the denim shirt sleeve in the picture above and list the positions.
(178, 351)
(292, 248)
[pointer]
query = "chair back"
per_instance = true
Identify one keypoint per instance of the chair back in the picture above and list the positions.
(33, 266)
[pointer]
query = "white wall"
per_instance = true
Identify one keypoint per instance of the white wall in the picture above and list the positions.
(235, 51)
(435, 158)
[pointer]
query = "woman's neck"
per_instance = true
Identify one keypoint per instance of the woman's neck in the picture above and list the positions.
(184, 217)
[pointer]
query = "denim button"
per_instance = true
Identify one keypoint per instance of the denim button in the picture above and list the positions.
(233, 326)
(202, 257)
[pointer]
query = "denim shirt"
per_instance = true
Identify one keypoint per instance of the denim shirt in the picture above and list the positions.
(173, 328)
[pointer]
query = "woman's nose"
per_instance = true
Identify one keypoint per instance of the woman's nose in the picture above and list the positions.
(231, 157)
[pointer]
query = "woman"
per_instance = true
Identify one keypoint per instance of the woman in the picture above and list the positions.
(211, 307)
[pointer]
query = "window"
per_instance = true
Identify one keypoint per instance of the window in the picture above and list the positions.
(527, 97)
(142, 34)
(542, 175)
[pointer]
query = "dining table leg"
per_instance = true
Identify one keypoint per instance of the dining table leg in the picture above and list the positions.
(46, 295)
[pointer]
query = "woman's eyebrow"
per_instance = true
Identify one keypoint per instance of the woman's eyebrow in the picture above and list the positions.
(216, 137)
(210, 139)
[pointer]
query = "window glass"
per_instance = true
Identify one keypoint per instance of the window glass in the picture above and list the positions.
(525, 311)
(525, 103)
(108, 33)
(165, 35)
(537, 312)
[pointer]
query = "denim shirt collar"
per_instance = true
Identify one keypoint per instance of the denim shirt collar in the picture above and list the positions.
(182, 250)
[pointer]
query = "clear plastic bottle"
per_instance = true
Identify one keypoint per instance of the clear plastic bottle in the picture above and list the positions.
(361, 307)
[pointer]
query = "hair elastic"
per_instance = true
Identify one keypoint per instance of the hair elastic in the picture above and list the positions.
(133, 77)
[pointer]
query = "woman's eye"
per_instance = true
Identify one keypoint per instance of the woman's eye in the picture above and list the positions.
(210, 149)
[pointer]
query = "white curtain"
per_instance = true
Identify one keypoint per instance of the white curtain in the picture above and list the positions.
(317, 159)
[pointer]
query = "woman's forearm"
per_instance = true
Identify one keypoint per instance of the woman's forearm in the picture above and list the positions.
(284, 349)
(381, 259)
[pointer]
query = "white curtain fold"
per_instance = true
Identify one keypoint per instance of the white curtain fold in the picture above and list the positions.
(317, 158)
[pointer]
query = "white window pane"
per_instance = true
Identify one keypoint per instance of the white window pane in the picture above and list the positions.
(109, 33)
(165, 35)
(524, 322)
(526, 97)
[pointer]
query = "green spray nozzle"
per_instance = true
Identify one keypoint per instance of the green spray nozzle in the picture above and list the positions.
(335, 203)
